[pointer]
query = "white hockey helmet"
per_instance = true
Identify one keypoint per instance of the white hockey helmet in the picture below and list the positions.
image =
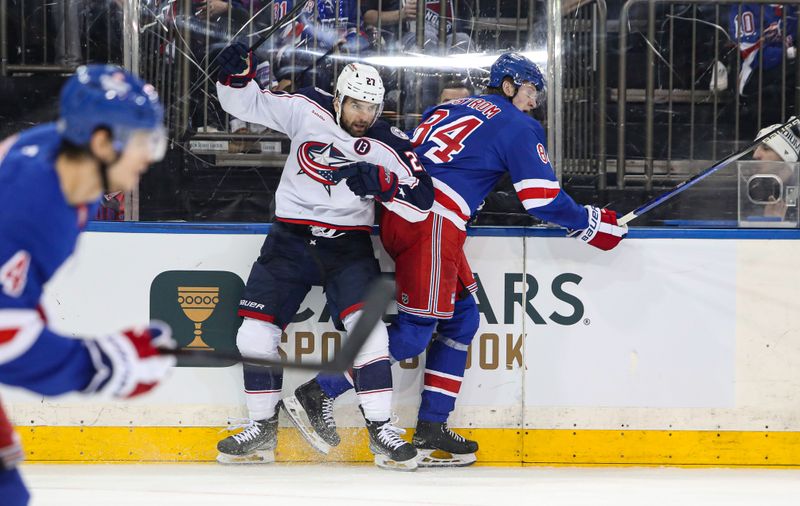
(360, 82)
(784, 142)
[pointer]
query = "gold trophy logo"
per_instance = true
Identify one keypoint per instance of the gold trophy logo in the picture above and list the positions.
(198, 303)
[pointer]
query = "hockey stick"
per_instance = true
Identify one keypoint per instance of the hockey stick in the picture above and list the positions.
(269, 32)
(378, 297)
(279, 24)
(793, 122)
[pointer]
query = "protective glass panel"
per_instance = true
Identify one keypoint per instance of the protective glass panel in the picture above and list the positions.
(643, 94)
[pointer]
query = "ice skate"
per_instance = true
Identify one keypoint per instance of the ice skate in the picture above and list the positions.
(390, 450)
(311, 411)
(254, 445)
(438, 446)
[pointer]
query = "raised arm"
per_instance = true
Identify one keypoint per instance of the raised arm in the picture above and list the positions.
(241, 96)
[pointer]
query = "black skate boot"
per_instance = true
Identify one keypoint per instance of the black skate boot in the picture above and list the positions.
(390, 450)
(311, 411)
(435, 440)
(254, 445)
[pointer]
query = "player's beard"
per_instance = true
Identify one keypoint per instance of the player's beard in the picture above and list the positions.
(355, 128)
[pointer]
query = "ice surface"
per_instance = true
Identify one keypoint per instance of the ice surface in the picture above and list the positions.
(353, 485)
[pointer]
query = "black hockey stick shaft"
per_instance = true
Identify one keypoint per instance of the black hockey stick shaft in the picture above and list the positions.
(287, 18)
(299, 77)
(685, 185)
(378, 298)
(293, 12)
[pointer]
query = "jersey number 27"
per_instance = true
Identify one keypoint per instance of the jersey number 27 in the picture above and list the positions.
(448, 138)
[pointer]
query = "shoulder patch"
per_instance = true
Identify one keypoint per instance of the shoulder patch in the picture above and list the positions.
(362, 146)
(399, 133)
(542, 153)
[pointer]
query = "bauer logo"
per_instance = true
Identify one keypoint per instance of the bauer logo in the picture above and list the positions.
(201, 307)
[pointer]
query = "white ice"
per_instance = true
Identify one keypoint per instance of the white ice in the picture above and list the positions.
(354, 485)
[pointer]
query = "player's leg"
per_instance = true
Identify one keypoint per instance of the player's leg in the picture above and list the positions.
(372, 379)
(411, 247)
(12, 489)
(409, 335)
(444, 370)
(310, 407)
(447, 355)
(350, 266)
(275, 289)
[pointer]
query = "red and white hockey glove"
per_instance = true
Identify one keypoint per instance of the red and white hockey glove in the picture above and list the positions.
(11, 452)
(364, 178)
(237, 65)
(603, 231)
(128, 363)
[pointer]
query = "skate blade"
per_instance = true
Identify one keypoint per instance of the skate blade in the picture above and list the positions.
(438, 458)
(385, 462)
(300, 420)
(256, 457)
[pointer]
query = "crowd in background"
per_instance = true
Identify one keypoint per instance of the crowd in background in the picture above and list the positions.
(743, 53)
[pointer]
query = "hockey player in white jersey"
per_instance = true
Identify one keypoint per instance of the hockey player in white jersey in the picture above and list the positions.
(321, 236)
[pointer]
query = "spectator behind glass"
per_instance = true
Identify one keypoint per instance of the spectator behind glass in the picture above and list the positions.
(218, 20)
(453, 90)
(422, 85)
(391, 16)
(766, 50)
(304, 58)
(112, 207)
(779, 147)
(782, 146)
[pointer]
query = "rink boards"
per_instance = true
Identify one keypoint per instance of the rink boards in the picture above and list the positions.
(679, 347)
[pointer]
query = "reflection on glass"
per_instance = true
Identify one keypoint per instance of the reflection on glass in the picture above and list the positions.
(649, 95)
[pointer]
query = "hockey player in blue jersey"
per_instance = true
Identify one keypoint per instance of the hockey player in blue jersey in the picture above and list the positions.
(466, 145)
(51, 180)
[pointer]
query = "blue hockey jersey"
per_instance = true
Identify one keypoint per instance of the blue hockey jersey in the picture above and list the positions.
(38, 232)
(467, 144)
(759, 39)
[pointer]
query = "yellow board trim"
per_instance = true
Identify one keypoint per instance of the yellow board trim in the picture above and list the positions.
(500, 446)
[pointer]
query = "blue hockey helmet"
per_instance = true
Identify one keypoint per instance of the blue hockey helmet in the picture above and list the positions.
(519, 68)
(108, 96)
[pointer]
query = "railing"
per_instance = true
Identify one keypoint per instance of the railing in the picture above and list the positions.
(734, 117)
(584, 99)
(56, 37)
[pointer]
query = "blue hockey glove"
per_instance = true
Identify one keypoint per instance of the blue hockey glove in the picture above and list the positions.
(364, 178)
(237, 65)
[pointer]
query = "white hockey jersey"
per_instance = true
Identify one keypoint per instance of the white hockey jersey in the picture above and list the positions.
(306, 194)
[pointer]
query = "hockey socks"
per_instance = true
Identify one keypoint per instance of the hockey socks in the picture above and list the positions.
(262, 385)
(262, 388)
(409, 335)
(446, 362)
(373, 384)
(335, 385)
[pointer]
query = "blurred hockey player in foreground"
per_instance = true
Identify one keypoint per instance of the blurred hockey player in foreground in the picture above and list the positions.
(466, 145)
(51, 180)
(321, 236)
